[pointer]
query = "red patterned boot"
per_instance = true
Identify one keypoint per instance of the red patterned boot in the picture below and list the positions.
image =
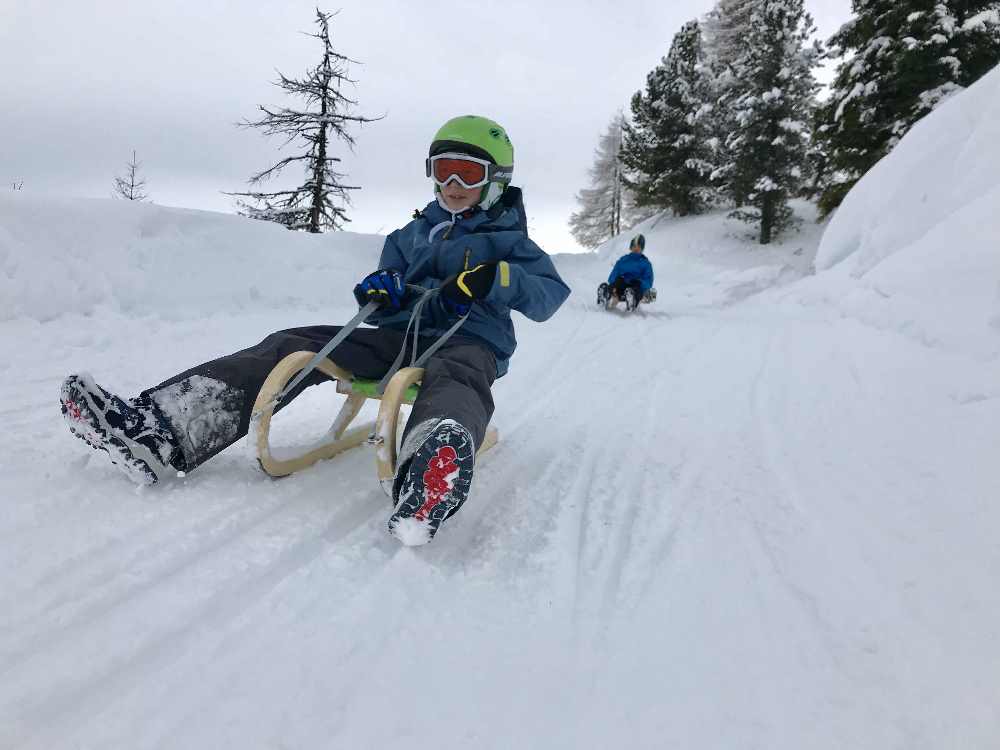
(434, 483)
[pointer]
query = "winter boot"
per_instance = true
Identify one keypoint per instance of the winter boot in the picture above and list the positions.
(603, 293)
(135, 436)
(433, 483)
(631, 300)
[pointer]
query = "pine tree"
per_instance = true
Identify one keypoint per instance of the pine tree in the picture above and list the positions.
(131, 187)
(602, 204)
(666, 147)
(772, 103)
(320, 202)
(724, 29)
(905, 59)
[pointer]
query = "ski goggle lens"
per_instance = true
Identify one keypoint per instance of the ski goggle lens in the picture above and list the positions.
(470, 172)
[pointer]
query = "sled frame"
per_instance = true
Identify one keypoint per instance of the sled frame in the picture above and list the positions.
(613, 300)
(383, 433)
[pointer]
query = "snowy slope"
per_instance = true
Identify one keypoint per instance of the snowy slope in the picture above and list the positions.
(759, 514)
(62, 256)
(916, 242)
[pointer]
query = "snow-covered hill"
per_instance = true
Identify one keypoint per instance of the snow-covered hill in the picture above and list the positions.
(916, 245)
(761, 513)
(60, 256)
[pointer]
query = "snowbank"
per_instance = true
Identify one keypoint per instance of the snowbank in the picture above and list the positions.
(916, 241)
(61, 256)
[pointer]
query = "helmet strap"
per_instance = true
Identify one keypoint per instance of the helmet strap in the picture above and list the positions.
(490, 194)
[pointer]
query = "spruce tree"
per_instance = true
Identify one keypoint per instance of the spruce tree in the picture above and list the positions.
(666, 147)
(904, 58)
(320, 201)
(603, 203)
(725, 29)
(772, 103)
(131, 187)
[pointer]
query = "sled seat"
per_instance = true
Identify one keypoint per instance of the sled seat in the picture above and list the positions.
(383, 433)
(369, 389)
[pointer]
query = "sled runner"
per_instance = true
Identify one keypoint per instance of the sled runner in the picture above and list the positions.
(610, 301)
(383, 433)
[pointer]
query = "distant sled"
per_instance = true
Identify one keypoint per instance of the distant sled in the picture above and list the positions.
(607, 298)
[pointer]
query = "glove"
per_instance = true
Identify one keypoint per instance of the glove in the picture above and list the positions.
(460, 291)
(385, 286)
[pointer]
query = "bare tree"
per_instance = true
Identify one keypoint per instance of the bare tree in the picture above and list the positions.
(601, 204)
(320, 202)
(131, 187)
(17, 185)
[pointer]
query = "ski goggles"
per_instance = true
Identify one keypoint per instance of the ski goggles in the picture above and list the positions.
(468, 171)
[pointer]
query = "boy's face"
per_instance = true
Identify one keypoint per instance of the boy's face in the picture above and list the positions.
(458, 198)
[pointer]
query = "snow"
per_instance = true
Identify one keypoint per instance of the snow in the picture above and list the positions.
(981, 20)
(758, 513)
(921, 229)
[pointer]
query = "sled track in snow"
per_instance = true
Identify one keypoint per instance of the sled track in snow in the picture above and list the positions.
(684, 525)
(239, 593)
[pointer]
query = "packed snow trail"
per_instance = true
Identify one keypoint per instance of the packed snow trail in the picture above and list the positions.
(703, 525)
(760, 513)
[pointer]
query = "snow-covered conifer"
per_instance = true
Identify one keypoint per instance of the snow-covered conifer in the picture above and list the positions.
(320, 202)
(772, 103)
(666, 148)
(724, 30)
(902, 58)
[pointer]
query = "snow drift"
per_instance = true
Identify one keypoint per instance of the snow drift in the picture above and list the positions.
(61, 256)
(920, 234)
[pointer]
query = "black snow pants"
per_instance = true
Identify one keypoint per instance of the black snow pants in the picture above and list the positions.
(621, 285)
(208, 407)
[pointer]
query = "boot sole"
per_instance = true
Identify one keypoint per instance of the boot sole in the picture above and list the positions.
(418, 514)
(84, 421)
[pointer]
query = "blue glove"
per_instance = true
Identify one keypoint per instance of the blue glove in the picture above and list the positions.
(386, 287)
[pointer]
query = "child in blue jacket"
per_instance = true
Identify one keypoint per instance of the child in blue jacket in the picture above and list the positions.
(630, 279)
(470, 245)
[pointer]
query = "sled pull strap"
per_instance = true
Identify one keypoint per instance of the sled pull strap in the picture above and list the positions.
(414, 360)
(336, 341)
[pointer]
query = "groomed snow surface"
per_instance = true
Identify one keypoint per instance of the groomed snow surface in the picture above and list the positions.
(760, 513)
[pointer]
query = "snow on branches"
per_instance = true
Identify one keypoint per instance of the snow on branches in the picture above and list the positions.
(770, 97)
(667, 148)
(902, 59)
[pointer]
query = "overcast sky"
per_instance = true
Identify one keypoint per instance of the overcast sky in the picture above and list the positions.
(84, 83)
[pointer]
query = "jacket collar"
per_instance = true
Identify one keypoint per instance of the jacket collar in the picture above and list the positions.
(502, 215)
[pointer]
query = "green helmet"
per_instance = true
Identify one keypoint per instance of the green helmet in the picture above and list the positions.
(480, 137)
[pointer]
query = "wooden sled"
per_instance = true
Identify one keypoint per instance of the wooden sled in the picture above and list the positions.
(383, 433)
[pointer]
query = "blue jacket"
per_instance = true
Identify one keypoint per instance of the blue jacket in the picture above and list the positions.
(435, 246)
(633, 266)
